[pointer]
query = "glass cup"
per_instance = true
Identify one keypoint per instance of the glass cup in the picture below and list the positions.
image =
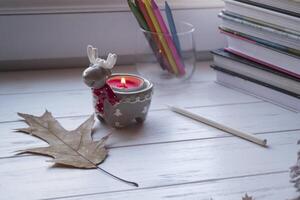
(166, 58)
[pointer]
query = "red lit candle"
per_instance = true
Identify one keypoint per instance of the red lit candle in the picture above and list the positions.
(125, 83)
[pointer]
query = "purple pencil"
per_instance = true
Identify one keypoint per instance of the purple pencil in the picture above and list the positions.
(168, 38)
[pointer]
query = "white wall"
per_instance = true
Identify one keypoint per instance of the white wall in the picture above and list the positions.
(52, 36)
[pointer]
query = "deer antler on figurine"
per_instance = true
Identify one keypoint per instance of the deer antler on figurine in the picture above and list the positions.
(99, 70)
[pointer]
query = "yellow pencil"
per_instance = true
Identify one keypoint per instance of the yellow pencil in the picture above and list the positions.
(160, 36)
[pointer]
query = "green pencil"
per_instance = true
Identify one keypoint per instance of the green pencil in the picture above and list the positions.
(139, 17)
(143, 24)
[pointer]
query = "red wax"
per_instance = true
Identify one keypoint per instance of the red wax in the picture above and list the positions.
(131, 82)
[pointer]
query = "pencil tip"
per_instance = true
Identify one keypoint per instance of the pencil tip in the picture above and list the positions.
(265, 143)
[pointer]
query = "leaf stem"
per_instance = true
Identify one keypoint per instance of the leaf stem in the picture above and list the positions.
(110, 174)
(118, 178)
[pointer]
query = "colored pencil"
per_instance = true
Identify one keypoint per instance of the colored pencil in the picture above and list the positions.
(161, 51)
(139, 17)
(143, 24)
(168, 38)
(161, 37)
(173, 29)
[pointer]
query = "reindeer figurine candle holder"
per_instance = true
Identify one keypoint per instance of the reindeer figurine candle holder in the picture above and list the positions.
(119, 99)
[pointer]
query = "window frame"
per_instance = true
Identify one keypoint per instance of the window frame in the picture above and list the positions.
(15, 7)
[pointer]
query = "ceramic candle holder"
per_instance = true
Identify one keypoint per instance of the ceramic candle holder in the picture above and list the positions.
(132, 106)
(119, 99)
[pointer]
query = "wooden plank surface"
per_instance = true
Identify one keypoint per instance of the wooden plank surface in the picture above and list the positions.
(272, 186)
(79, 102)
(170, 156)
(155, 130)
(156, 165)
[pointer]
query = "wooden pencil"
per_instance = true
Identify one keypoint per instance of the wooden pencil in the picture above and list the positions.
(160, 51)
(143, 24)
(243, 135)
(160, 36)
(168, 38)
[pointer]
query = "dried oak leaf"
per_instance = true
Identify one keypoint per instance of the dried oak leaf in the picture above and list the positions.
(70, 148)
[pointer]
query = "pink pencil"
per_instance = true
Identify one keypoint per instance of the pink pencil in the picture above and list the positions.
(168, 37)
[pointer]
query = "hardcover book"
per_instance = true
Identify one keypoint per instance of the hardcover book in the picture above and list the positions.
(267, 15)
(291, 7)
(239, 65)
(258, 89)
(279, 36)
(267, 55)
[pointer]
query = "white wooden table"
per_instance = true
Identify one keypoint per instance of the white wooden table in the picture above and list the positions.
(170, 156)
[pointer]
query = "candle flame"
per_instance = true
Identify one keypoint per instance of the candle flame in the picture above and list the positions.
(123, 81)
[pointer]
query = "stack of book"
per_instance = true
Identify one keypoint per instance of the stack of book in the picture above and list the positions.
(263, 52)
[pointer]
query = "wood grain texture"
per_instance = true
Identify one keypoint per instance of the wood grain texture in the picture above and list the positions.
(73, 103)
(175, 163)
(155, 130)
(170, 156)
(272, 186)
(32, 177)
(156, 165)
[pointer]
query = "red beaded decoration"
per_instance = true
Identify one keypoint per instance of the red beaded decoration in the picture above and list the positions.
(102, 94)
